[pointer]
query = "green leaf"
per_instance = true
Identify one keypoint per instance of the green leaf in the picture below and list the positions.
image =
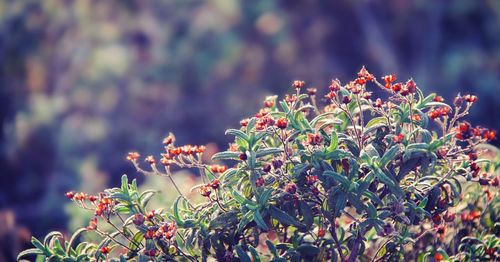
(51, 235)
(226, 155)
(124, 185)
(257, 217)
(177, 217)
(342, 180)
(255, 254)
(28, 252)
(245, 220)
(74, 237)
(264, 196)
(268, 151)
(308, 250)
(272, 248)
(237, 133)
(40, 246)
(387, 181)
(283, 217)
(417, 147)
(145, 197)
(389, 155)
(242, 200)
(333, 142)
(376, 121)
(323, 116)
(242, 254)
(337, 154)
(136, 240)
(306, 212)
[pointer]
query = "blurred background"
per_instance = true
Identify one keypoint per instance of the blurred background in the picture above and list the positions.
(84, 82)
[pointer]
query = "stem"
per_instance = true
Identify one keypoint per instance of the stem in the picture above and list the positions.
(354, 251)
(337, 242)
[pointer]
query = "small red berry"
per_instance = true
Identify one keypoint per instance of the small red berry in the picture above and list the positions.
(438, 257)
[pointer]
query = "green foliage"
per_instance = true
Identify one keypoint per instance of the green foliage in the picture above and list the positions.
(357, 179)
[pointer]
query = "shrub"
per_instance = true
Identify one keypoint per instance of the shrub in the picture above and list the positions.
(357, 179)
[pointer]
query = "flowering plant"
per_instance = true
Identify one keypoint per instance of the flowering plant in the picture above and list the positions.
(359, 178)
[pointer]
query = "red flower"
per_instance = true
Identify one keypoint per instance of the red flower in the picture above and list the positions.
(244, 122)
(311, 91)
(438, 257)
(215, 184)
(411, 86)
(168, 140)
(398, 138)
(291, 188)
(259, 182)
(397, 87)
(438, 99)
(470, 98)
(104, 250)
(416, 117)
(70, 194)
(448, 216)
(436, 219)
(150, 160)
(367, 95)
(282, 123)
(321, 232)
(310, 180)
(298, 84)
(388, 79)
(335, 85)
(314, 139)
(346, 99)
(92, 224)
(218, 168)
(269, 103)
(133, 156)
(205, 190)
(365, 74)
(361, 80)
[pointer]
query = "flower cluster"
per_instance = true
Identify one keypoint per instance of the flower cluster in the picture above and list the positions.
(351, 177)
